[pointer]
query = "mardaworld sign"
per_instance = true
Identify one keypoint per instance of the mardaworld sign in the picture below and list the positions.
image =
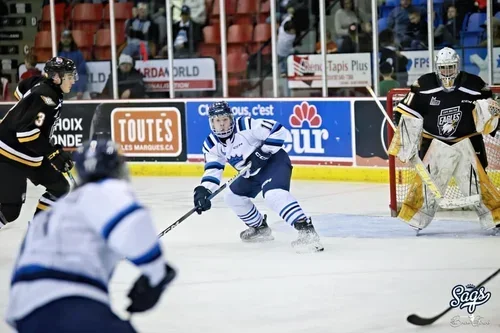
(195, 74)
(343, 70)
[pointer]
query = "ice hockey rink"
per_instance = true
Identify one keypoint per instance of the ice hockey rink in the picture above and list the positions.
(373, 273)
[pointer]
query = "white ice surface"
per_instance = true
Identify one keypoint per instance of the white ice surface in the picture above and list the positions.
(356, 285)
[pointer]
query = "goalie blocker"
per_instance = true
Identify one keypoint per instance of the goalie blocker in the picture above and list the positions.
(444, 162)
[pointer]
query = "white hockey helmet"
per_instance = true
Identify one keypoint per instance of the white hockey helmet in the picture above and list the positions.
(447, 65)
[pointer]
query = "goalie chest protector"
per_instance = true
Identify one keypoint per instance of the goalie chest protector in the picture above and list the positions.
(447, 115)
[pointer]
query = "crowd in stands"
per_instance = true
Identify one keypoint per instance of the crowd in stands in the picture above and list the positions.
(83, 29)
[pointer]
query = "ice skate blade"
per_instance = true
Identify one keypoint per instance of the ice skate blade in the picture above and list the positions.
(261, 239)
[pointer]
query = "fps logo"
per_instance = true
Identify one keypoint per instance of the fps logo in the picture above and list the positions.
(469, 297)
(306, 139)
(448, 120)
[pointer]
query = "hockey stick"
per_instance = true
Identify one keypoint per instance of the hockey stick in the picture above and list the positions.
(419, 321)
(415, 160)
(220, 189)
(71, 178)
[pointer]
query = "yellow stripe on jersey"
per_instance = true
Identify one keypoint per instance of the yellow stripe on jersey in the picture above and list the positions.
(404, 112)
(41, 206)
(29, 138)
(19, 159)
(17, 96)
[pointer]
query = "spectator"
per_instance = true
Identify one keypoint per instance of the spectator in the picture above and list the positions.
(68, 49)
(466, 6)
(186, 34)
(358, 40)
(391, 54)
(448, 33)
(331, 46)
(416, 32)
(398, 19)
(30, 63)
(158, 15)
(344, 18)
(387, 83)
(495, 24)
(130, 81)
(299, 11)
(285, 44)
(198, 11)
(141, 30)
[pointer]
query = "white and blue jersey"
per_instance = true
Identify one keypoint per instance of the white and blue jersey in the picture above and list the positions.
(248, 135)
(73, 248)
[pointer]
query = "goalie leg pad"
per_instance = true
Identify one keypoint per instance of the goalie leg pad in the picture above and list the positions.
(407, 139)
(473, 182)
(420, 204)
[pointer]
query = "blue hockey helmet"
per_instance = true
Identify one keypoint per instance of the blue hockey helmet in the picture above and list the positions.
(99, 159)
(221, 119)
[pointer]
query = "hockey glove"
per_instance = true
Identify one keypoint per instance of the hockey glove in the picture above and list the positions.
(258, 159)
(201, 200)
(60, 160)
(143, 296)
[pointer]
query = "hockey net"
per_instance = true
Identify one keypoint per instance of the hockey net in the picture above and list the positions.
(402, 175)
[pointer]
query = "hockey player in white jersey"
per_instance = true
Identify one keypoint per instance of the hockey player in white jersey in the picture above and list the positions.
(61, 277)
(260, 142)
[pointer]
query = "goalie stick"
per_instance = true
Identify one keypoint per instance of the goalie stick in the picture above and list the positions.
(419, 321)
(188, 214)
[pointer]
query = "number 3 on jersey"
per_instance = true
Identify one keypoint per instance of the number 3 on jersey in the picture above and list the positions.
(40, 118)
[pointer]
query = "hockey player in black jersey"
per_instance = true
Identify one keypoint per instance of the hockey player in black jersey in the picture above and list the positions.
(444, 118)
(26, 151)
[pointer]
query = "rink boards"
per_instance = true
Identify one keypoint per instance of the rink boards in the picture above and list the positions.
(329, 138)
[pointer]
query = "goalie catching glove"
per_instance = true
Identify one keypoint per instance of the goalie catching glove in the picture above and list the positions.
(60, 160)
(486, 113)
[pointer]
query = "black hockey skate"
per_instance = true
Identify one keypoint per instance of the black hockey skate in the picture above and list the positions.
(261, 233)
(308, 239)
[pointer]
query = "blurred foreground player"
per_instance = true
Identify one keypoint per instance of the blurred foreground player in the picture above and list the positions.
(242, 141)
(444, 118)
(61, 278)
(25, 148)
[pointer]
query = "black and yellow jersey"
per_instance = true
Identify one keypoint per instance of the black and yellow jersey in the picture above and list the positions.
(447, 116)
(26, 85)
(26, 129)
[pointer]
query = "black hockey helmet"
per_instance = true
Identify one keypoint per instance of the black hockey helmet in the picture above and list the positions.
(99, 159)
(221, 109)
(61, 66)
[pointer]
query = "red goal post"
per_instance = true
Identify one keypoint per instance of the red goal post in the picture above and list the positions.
(401, 175)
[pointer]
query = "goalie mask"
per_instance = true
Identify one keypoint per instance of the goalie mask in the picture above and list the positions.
(221, 120)
(447, 64)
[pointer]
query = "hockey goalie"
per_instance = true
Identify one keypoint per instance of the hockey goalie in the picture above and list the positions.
(441, 123)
